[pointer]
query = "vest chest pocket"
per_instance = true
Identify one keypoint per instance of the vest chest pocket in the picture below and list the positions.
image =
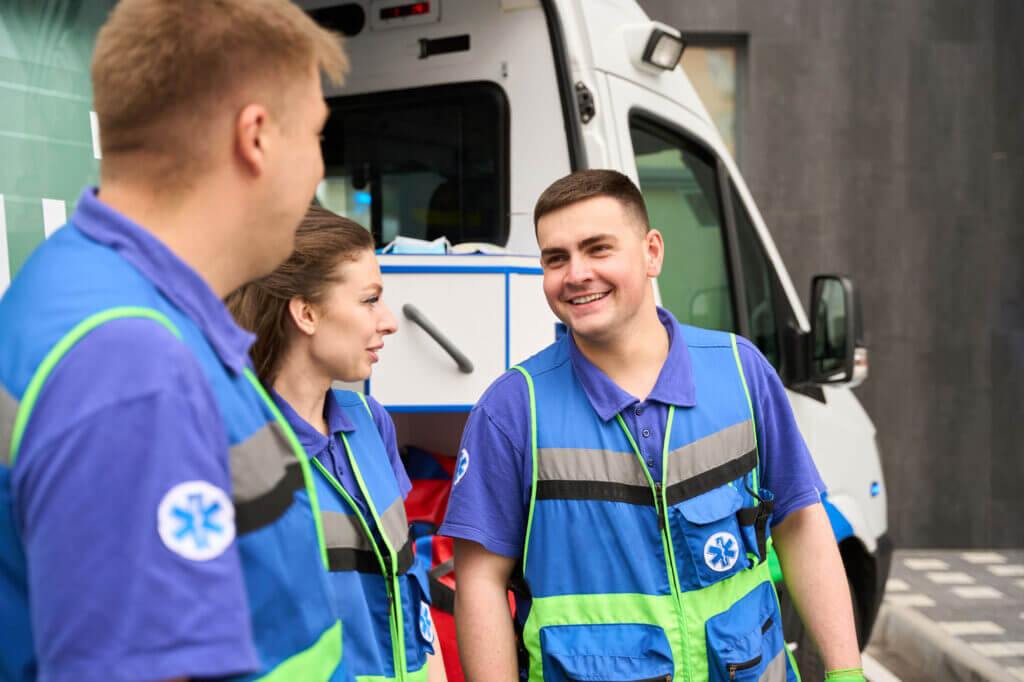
(706, 537)
(614, 652)
(745, 642)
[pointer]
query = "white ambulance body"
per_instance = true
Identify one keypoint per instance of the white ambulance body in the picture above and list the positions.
(458, 114)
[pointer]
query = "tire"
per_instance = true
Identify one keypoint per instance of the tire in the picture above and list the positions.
(805, 653)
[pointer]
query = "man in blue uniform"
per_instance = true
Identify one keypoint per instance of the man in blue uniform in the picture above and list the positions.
(633, 475)
(157, 519)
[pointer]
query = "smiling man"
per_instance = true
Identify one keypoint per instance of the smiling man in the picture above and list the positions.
(629, 480)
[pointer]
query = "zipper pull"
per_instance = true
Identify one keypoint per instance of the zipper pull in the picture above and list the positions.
(732, 671)
(657, 506)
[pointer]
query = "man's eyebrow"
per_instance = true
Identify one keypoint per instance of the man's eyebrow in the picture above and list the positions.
(551, 251)
(590, 241)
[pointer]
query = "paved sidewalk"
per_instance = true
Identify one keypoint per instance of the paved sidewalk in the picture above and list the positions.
(958, 614)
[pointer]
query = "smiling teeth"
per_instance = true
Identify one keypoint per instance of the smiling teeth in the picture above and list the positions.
(587, 299)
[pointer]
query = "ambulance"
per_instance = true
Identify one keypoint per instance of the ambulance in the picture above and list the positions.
(456, 115)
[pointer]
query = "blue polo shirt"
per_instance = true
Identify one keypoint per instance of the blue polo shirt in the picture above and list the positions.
(490, 496)
(331, 451)
(127, 414)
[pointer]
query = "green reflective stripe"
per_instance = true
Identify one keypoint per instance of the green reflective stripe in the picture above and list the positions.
(259, 462)
(35, 385)
(708, 453)
(366, 404)
(395, 592)
(316, 663)
(307, 474)
(8, 413)
(342, 532)
(572, 464)
(533, 456)
(750, 406)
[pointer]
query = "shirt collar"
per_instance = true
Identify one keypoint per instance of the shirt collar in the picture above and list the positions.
(174, 278)
(313, 441)
(675, 381)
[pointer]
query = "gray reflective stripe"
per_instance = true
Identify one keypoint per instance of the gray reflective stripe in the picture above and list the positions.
(258, 463)
(776, 670)
(710, 452)
(8, 413)
(605, 466)
(396, 528)
(342, 531)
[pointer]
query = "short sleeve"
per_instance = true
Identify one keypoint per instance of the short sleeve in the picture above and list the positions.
(126, 416)
(490, 490)
(787, 469)
(386, 427)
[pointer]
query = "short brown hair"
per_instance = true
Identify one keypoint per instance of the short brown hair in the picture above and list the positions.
(162, 69)
(323, 240)
(588, 184)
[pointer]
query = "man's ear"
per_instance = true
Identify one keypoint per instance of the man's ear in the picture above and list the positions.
(304, 315)
(251, 138)
(654, 248)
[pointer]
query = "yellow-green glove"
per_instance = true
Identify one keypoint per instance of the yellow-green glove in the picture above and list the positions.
(846, 675)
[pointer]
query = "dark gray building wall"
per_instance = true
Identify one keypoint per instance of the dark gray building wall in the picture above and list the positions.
(884, 140)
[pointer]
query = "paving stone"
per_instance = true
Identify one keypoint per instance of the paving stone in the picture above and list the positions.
(955, 578)
(923, 564)
(972, 627)
(977, 592)
(1006, 570)
(983, 557)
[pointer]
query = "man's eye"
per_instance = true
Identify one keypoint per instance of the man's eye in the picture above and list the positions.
(372, 300)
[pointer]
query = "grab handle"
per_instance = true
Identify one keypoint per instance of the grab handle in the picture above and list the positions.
(413, 314)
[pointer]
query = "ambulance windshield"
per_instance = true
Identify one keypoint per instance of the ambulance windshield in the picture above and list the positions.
(424, 163)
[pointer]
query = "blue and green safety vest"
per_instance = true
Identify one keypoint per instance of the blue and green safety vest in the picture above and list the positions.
(381, 592)
(295, 629)
(631, 580)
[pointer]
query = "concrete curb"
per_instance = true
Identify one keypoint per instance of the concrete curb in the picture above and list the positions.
(940, 655)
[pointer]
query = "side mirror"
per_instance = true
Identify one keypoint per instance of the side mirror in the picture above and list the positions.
(838, 354)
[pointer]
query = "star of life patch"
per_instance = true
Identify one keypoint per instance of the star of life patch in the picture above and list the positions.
(426, 623)
(196, 520)
(721, 552)
(461, 466)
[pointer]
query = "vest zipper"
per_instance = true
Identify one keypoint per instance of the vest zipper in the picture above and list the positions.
(734, 667)
(387, 563)
(661, 510)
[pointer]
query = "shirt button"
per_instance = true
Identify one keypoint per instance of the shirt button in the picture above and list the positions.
(638, 411)
(650, 461)
(645, 433)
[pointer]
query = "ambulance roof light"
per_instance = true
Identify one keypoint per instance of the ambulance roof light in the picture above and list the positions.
(663, 49)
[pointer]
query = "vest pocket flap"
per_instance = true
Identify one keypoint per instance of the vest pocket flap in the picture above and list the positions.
(615, 652)
(714, 505)
(745, 642)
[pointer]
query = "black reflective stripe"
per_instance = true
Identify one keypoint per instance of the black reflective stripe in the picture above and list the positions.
(271, 505)
(442, 597)
(595, 490)
(358, 560)
(365, 561)
(709, 480)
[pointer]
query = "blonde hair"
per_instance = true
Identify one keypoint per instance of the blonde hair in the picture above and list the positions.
(163, 69)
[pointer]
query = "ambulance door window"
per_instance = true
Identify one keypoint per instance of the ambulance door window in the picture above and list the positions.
(679, 183)
(757, 282)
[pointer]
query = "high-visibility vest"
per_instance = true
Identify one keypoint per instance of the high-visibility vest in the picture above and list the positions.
(382, 592)
(635, 580)
(294, 625)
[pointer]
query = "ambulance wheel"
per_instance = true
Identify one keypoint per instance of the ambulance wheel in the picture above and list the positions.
(799, 639)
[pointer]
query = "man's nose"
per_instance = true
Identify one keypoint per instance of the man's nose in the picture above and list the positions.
(578, 270)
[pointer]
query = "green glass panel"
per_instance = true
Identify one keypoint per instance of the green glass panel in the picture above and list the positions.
(680, 189)
(46, 140)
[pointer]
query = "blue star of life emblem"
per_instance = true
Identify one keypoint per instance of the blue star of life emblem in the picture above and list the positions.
(721, 552)
(196, 520)
(426, 623)
(461, 466)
